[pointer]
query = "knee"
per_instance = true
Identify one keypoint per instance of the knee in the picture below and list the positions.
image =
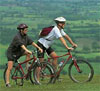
(54, 58)
(9, 68)
(28, 55)
(10, 65)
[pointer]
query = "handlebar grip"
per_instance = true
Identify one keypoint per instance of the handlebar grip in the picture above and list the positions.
(33, 52)
(70, 49)
(74, 47)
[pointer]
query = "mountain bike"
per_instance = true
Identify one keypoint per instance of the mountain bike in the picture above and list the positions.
(79, 71)
(18, 74)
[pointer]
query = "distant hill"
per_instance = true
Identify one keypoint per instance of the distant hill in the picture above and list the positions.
(83, 23)
(83, 17)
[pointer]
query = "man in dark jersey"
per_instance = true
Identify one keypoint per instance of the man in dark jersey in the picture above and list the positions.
(18, 48)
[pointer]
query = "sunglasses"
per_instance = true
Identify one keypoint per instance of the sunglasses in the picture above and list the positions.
(62, 22)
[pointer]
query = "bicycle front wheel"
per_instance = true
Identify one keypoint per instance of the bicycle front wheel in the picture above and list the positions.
(18, 77)
(86, 71)
(43, 74)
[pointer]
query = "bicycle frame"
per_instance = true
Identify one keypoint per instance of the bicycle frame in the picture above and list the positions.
(19, 67)
(76, 70)
(65, 62)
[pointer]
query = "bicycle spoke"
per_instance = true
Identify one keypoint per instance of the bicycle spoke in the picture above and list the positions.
(85, 74)
(45, 75)
(19, 76)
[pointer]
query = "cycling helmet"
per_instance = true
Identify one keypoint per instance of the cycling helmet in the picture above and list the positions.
(22, 26)
(60, 19)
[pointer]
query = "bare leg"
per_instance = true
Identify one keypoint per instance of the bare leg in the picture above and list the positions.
(10, 65)
(54, 63)
(39, 69)
(27, 58)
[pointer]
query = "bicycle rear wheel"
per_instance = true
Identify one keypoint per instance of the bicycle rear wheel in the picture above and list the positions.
(14, 74)
(45, 75)
(86, 72)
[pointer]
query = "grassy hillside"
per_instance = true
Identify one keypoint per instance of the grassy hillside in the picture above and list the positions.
(83, 26)
(83, 20)
(65, 85)
(83, 17)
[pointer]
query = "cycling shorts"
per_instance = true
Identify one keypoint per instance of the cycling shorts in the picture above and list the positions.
(41, 55)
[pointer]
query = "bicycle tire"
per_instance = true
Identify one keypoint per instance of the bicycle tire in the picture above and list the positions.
(85, 75)
(12, 74)
(46, 74)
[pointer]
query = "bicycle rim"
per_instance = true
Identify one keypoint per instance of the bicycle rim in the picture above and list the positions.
(46, 74)
(85, 74)
(18, 74)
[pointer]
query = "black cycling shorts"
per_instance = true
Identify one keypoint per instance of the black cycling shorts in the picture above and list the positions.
(12, 57)
(41, 55)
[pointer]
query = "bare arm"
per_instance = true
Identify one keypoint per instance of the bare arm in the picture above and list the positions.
(69, 39)
(64, 43)
(23, 47)
(35, 45)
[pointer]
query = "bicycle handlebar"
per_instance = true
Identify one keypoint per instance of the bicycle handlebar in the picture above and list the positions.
(70, 49)
(33, 52)
(74, 47)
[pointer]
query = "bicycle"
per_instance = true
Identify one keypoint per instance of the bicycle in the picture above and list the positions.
(18, 74)
(79, 71)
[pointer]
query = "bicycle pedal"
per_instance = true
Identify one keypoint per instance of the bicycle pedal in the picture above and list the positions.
(21, 84)
(59, 79)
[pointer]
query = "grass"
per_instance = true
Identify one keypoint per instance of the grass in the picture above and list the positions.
(65, 85)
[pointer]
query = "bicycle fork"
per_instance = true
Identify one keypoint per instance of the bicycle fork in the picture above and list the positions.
(76, 65)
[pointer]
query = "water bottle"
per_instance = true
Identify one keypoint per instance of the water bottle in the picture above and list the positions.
(61, 63)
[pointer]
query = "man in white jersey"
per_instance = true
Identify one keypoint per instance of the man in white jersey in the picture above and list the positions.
(56, 33)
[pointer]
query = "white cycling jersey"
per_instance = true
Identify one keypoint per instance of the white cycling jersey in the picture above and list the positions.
(48, 40)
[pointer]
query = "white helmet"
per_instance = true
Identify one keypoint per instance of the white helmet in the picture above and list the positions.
(60, 19)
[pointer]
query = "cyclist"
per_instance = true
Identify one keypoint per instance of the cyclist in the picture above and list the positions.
(56, 33)
(18, 48)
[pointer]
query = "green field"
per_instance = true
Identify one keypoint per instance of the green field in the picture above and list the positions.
(65, 85)
(83, 25)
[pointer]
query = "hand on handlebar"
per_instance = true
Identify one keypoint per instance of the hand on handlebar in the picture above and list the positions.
(70, 48)
(40, 50)
(74, 45)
